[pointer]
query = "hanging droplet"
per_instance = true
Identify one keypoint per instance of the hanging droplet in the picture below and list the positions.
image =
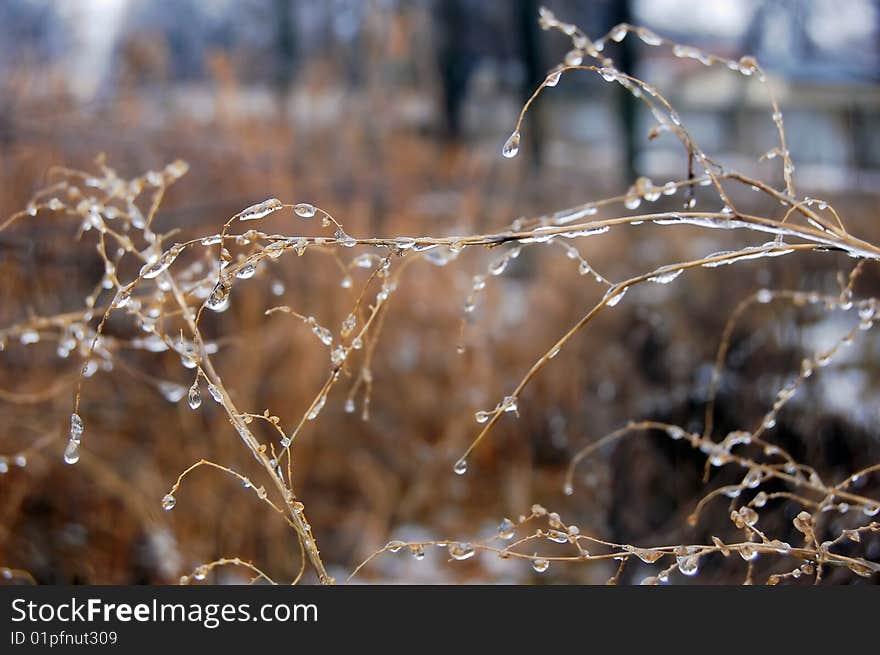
(481, 416)
(260, 209)
(319, 405)
(344, 239)
(553, 78)
(304, 210)
(168, 502)
(460, 550)
(460, 467)
(194, 397)
(688, 564)
(71, 453)
(509, 404)
(748, 552)
(246, 272)
(215, 393)
(218, 301)
(511, 146)
(648, 37)
(666, 277)
(154, 269)
(540, 565)
(618, 32)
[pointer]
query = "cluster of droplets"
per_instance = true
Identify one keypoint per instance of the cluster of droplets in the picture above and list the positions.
(71, 452)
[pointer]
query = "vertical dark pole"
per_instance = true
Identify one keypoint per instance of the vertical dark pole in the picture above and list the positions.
(285, 45)
(533, 74)
(627, 60)
(452, 61)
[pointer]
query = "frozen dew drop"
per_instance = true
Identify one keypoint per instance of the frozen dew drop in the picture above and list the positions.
(574, 57)
(71, 453)
(553, 78)
(540, 565)
(748, 552)
(304, 210)
(688, 564)
(511, 146)
(461, 550)
(316, 409)
(460, 467)
(648, 37)
(507, 529)
(246, 272)
(260, 209)
(618, 32)
(344, 239)
(215, 393)
(168, 502)
(482, 416)
(154, 269)
(76, 427)
(218, 301)
(666, 277)
(614, 295)
(194, 397)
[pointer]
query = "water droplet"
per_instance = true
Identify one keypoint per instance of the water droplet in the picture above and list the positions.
(461, 550)
(319, 405)
(553, 78)
(481, 416)
(649, 37)
(154, 269)
(394, 546)
(748, 552)
(215, 393)
(71, 453)
(260, 209)
(666, 277)
(344, 239)
(304, 210)
(507, 529)
(618, 33)
(511, 146)
(218, 301)
(540, 565)
(349, 406)
(168, 502)
(574, 57)
(194, 397)
(688, 564)
(460, 467)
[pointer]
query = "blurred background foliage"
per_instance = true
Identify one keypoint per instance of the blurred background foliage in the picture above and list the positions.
(390, 114)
